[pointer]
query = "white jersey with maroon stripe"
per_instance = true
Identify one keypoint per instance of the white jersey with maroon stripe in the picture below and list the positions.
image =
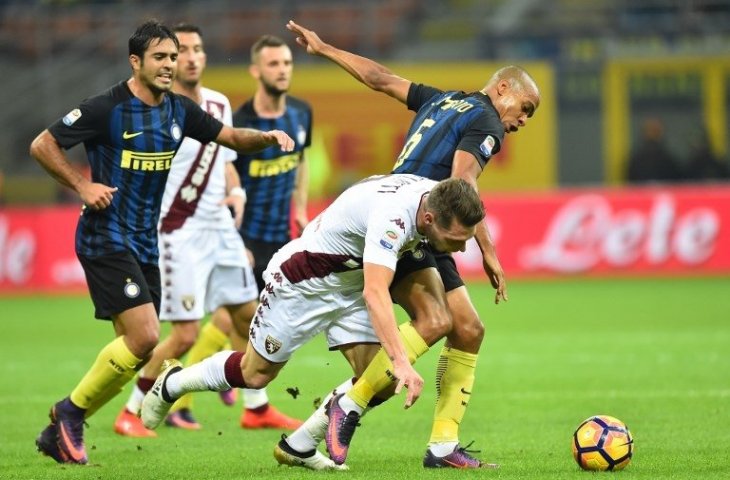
(314, 283)
(196, 183)
(373, 221)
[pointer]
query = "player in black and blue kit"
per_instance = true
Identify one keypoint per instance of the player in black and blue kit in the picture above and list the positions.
(276, 185)
(131, 133)
(454, 134)
(273, 179)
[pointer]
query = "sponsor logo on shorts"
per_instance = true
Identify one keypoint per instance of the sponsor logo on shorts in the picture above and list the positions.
(131, 289)
(386, 244)
(188, 302)
(272, 345)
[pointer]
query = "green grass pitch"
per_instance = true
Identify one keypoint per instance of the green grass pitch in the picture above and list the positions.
(653, 352)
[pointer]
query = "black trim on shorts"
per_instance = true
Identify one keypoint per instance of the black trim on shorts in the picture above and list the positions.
(424, 256)
(118, 282)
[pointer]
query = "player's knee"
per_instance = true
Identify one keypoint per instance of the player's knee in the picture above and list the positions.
(185, 339)
(467, 332)
(433, 323)
(142, 342)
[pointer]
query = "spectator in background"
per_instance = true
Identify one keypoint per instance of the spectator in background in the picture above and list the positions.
(651, 160)
(703, 163)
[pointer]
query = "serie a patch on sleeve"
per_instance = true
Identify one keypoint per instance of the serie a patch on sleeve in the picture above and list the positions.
(71, 117)
(487, 145)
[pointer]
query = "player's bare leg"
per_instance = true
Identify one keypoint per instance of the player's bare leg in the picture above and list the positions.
(182, 336)
(137, 332)
(454, 384)
(422, 295)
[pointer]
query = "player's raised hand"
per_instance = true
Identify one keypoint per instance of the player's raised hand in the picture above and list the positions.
(97, 196)
(306, 38)
(410, 379)
(278, 137)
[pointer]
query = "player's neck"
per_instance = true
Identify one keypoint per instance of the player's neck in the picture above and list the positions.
(269, 106)
(192, 91)
(144, 93)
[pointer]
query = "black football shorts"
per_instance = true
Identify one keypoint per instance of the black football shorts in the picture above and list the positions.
(118, 282)
(425, 257)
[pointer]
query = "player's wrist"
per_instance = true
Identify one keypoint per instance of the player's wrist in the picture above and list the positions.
(237, 192)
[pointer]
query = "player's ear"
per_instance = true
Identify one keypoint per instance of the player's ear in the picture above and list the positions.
(254, 71)
(135, 62)
(502, 87)
(428, 217)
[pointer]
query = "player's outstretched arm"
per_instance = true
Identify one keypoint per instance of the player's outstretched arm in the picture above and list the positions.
(48, 153)
(465, 166)
(380, 307)
(249, 140)
(366, 71)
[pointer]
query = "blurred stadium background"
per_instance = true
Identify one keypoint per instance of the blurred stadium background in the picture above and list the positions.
(649, 350)
(605, 68)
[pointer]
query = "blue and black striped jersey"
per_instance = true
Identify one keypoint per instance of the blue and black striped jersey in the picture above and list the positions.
(130, 145)
(269, 176)
(446, 122)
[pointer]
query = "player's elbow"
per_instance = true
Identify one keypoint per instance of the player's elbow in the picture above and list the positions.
(36, 146)
(377, 80)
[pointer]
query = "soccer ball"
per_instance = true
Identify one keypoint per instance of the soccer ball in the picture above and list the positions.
(602, 443)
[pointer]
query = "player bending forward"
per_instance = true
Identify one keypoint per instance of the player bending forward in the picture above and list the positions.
(335, 279)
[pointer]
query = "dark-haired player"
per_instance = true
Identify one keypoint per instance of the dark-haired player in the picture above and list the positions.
(276, 184)
(131, 133)
(453, 134)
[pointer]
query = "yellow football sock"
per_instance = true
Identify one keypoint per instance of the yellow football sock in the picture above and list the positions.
(378, 375)
(210, 340)
(454, 382)
(113, 368)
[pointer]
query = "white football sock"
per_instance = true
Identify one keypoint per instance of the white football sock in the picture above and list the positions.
(253, 398)
(441, 449)
(311, 433)
(134, 404)
(208, 374)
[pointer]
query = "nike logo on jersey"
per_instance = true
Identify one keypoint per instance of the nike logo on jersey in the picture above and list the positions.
(126, 135)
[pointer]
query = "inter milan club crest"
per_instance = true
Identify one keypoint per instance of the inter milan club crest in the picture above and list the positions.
(272, 345)
(188, 302)
(131, 289)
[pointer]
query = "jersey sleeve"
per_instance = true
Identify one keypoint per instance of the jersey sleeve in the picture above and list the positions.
(83, 123)
(482, 139)
(386, 235)
(199, 124)
(418, 94)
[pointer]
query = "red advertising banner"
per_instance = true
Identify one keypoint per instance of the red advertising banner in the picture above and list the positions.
(597, 232)
(641, 231)
(37, 250)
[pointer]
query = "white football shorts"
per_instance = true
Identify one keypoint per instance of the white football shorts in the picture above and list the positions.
(289, 315)
(201, 270)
